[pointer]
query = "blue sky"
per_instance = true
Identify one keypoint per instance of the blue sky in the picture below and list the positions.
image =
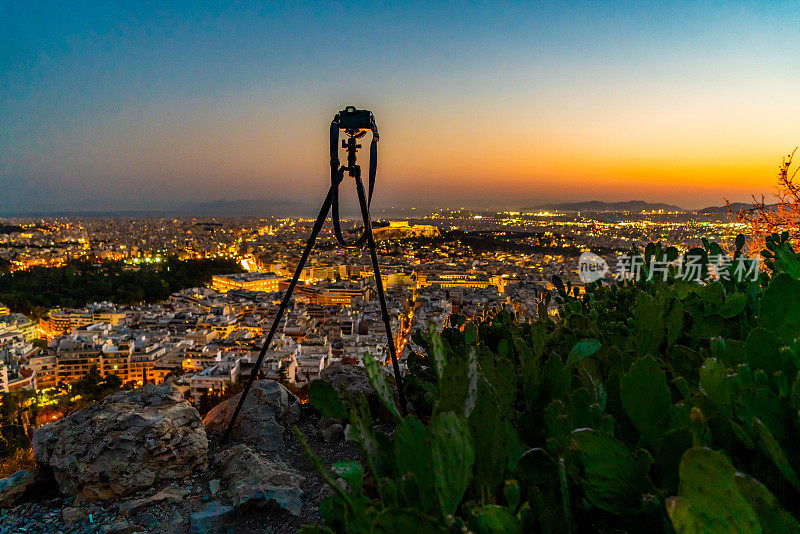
(136, 105)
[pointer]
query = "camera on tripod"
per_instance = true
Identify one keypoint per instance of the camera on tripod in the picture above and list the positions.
(355, 122)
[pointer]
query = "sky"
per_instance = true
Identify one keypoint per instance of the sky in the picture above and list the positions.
(154, 105)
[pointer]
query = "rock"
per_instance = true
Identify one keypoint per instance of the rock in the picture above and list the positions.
(213, 486)
(348, 380)
(15, 487)
(73, 515)
(150, 522)
(335, 432)
(176, 521)
(324, 422)
(268, 413)
(351, 382)
(120, 526)
(169, 494)
(253, 479)
(129, 441)
(211, 519)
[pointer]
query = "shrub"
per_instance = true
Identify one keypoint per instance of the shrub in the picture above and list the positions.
(648, 406)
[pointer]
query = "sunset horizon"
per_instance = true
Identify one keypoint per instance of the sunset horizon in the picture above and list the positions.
(685, 105)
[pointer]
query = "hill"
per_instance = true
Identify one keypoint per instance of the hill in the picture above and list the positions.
(598, 206)
(735, 208)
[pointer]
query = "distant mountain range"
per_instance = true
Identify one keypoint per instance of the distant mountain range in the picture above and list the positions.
(596, 205)
(636, 206)
(735, 208)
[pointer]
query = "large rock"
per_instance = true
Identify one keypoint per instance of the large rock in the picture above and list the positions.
(127, 442)
(213, 518)
(349, 380)
(252, 479)
(268, 413)
(15, 487)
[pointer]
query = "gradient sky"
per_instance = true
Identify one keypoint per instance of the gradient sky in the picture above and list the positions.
(146, 105)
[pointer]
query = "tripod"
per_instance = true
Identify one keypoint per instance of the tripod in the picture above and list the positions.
(354, 131)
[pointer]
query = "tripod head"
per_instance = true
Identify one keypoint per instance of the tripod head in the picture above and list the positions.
(355, 123)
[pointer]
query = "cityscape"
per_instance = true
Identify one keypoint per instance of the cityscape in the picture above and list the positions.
(399, 267)
(447, 261)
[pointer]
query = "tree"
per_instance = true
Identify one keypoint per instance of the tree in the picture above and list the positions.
(784, 216)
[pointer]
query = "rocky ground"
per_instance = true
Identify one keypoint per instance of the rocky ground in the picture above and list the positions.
(254, 484)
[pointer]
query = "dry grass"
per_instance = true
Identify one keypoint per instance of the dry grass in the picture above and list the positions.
(21, 459)
(765, 220)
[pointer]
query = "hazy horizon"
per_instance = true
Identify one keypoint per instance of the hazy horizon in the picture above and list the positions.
(108, 107)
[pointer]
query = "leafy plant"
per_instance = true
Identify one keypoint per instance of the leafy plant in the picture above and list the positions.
(647, 406)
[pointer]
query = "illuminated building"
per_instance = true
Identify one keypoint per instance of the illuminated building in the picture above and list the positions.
(75, 358)
(44, 367)
(266, 282)
(59, 322)
(115, 360)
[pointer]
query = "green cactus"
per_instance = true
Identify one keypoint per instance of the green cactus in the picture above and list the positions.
(377, 380)
(673, 322)
(716, 384)
(763, 351)
(770, 446)
(646, 400)
(536, 466)
(458, 385)
(581, 350)
(506, 397)
(395, 520)
(325, 398)
(438, 350)
(351, 471)
(453, 457)
(360, 431)
(493, 519)
(771, 515)
(734, 305)
(487, 429)
(649, 324)
(612, 478)
(780, 307)
(412, 453)
(709, 500)
(511, 492)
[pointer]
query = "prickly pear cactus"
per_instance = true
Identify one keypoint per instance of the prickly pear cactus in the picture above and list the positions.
(710, 501)
(646, 400)
(772, 516)
(780, 307)
(491, 519)
(324, 397)
(458, 385)
(377, 380)
(453, 458)
(612, 478)
(649, 323)
(438, 350)
(412, 453)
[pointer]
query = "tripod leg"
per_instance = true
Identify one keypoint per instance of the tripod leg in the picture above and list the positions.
(323, 214)
(381, 297)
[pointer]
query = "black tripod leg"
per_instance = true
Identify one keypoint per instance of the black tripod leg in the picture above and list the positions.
(381, 297)
(323, 214)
